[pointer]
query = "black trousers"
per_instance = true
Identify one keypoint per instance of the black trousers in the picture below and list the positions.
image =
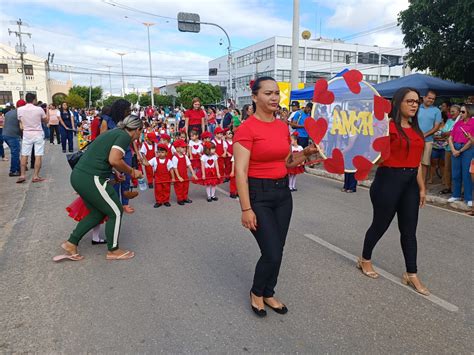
(54, 129)
(272, 203)
(395, 191)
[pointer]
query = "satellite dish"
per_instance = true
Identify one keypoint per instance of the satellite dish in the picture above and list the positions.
(306, 34)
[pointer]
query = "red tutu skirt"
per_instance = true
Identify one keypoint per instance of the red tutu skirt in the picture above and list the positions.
(211, 178)
(196, 162)
(77, 210)
(296, 171)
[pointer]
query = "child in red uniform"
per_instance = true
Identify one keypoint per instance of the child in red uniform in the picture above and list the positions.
(232, 184)
(230, 153)
(183, 135)
(206, 136)
(148, 150)
(292, 172)
(195, 150)
(166, 140)
(210, 176)
(181, 165)
(164, 174)
(221, 148)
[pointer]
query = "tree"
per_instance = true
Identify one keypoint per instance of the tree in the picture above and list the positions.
(58, 99)
(132, 98)
(74, 100)
(163, 100)
(110, 100)
(145, 100)
(208, 93)
(439, 36)
(83, 91)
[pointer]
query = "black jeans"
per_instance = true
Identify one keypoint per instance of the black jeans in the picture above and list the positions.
(272, 203)
(66, 135)
(54, 129)
(395, 191)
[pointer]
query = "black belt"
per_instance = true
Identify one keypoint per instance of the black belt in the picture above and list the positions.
(399, 169)
(269, 183)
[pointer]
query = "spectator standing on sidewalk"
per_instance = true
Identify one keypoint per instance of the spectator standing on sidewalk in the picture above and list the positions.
(67, 127)
(31, 117)
(429, 119)
(12, 136)
(2, 151)
(445, 133)
(53, 122)
(297, 124)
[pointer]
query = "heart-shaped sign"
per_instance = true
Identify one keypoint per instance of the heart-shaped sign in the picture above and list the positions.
(195, 147)
(382, 145)
(321, 93)
(210, 162)
(335, 164)
(316, 128)
(353, 78)
(363, 166)
(381, 107)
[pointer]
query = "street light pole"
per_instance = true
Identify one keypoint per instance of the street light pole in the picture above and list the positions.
(121, 54)
(148, 24)
(295, 57)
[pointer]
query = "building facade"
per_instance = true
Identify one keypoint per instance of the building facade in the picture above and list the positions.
(11, 76)
(319, 58)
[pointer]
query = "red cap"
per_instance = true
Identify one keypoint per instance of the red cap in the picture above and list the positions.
(206, 134)
(179, 143)
(165, 136)
(152, 136)
(163, 146)
(295, 133)
(20, 103)
(207, 145)
(219, 130)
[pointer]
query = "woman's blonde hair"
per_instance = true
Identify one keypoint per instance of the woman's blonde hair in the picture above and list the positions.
(131, 123)
(470, 109)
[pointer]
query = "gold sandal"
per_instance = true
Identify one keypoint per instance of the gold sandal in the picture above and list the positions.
(406, 281)
(371, 274)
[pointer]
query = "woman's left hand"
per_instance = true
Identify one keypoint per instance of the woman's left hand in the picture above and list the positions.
(422, 199)
(310, 150)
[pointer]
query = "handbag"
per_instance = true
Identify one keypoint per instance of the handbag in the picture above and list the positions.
(73, 158)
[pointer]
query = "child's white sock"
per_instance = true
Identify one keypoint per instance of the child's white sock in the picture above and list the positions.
(213, 191)
(208, 190)
(95, 233)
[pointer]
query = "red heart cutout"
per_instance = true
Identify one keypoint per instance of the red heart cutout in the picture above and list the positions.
(195, 147)
(363, 166)
(381, 107)
(321, 93)
(316, 128)
(335, 164)
(210, 162)
(353, 78)
(382, 145)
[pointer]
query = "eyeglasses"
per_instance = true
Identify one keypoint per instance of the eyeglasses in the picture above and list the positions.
(463, 111)
(412, 102)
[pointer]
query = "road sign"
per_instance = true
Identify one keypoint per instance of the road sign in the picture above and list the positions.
(189, 22)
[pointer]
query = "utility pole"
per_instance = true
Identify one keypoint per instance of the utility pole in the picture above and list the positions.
(21, 50)
(48, 75)
(110, 79)
(90, 93)
(295, 45)
(152, 91)
(121, 54)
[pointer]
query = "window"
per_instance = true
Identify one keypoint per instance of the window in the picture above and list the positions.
(383, 78)
(284, 52)
(301, 77)
(4, 68)
(23, 97)
(243, 81)
(301, 53)
(28, 69)
(391, 60)
(244, 60)
(340, 56)
(265, 73)
(320, 55)
(371, 78)
(283, 75)
(5, 96)
(368, 58)
(264, 54)
(314, 76)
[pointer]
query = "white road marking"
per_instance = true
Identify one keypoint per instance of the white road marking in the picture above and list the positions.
(396, 280)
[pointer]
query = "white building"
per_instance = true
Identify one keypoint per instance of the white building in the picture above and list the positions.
(319, 58)
(11, 76)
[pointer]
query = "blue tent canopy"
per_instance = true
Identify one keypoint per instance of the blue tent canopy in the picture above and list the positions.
(421, 82)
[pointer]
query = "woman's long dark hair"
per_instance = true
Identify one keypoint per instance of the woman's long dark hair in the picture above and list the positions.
(256, 86)
(396, 116)
(118, 110)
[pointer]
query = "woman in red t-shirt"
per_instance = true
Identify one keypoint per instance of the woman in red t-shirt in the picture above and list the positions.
(195, 118)
(262, 156)
(398, 187)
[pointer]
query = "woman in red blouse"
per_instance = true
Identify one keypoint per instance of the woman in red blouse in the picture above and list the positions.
(398, 187)
(262, 155)
(195, 118)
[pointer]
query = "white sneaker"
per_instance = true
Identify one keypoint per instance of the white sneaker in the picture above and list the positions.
(469, 203)
(454, 199)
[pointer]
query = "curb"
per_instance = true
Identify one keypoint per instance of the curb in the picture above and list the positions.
(432, 199)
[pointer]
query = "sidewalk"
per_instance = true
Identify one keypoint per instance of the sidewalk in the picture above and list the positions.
(433, 197)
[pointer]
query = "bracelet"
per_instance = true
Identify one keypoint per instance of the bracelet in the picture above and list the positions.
(247, 209)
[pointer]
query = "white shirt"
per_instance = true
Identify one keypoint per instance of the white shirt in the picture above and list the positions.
(296, 149)
(31, 117)
(206, 159)
(175, 161)
(154, 163)
(197, 150)
(144, 148)
(215, 141)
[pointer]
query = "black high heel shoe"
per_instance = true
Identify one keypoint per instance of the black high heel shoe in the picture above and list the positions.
(282, 310)
(259, 312)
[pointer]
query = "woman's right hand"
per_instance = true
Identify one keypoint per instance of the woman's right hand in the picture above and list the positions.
(249, 220)
(138, 174)
(456, 153)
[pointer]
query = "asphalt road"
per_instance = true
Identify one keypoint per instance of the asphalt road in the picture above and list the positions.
(186, 291)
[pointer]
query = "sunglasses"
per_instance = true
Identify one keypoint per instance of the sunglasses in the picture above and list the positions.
(463, 111)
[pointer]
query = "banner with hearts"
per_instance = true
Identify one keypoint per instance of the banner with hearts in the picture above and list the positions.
(352, 124)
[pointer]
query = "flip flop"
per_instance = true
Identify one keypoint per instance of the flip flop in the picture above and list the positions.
(125, 256)
(20, 180)
(39, 179)
(73, 257)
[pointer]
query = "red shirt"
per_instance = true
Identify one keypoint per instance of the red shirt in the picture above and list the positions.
(269, 146)
(400, 155)
(95, 127)
(195, 116)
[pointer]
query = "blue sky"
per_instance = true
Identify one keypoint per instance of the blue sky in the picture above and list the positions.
(82, 33)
